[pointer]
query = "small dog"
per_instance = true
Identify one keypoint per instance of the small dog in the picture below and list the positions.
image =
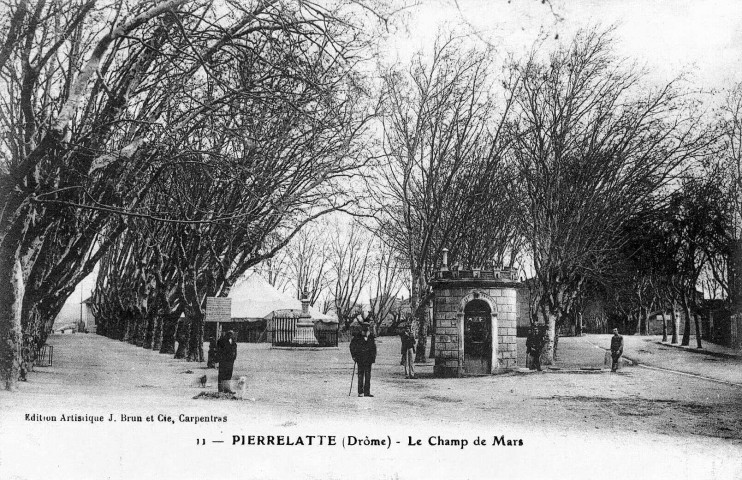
(203, 381)
(241, 387)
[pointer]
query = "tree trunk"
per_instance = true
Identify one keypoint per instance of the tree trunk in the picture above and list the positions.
(419, 312)
(109, 325)
(734, 272)
(674, 319)
(195, 351)
(645, 329)
(156, 332)
(169, 328)
(127, 332)
(638, 330)
(664, 327)
(11, 304)
(422, 334)
(548, 354)
(180, 352)
(432, 338)
(149, 331)
(181, 335)
(698, 331)
(117, 332)
(686, 331)
(139, 327)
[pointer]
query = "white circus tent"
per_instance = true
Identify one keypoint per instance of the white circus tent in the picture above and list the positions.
(254, 298)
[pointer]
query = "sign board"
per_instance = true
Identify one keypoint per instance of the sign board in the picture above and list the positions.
(218, 309)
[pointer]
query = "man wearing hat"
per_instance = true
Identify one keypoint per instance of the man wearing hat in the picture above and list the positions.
(408, 352)
(227, 353)
(363, 351)
(616, 349)
(534, 346)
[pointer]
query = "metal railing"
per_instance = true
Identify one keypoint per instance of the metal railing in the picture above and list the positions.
(327, 338)
(282, 331)
(45, 356)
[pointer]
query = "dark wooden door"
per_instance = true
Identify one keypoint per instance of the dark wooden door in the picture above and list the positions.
(477, 338)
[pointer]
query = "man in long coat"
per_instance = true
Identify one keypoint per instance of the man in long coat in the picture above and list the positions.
(534, 345)
(616, 349)
(363, 351)
(211, 359)
(408, 352)
(227, 353)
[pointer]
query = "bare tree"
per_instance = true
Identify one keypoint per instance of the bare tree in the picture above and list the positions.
(104, 99)
(593, 149)
(442, 146)
(275, 270)
(351, 270)
(731, 182)
(309, 265)
(70, 80)
(386, 284)
(695, 222)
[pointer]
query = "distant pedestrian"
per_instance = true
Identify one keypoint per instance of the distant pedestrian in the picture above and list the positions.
(534, 345)
(616, 349)
(227, 348)
(211, 355)
(363, 351)
(408, 352)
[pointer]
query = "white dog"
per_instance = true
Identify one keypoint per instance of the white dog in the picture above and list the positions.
(241, 390)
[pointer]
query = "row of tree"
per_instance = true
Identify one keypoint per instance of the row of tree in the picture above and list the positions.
(611, 188)
(595, 180)
(181, 143)
(174, 143)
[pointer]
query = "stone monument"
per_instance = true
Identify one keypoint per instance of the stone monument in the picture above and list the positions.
(304, 335)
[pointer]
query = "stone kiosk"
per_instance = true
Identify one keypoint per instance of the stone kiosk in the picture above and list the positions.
(474, 321)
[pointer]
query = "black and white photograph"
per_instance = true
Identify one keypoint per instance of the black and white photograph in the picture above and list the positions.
(370, 239)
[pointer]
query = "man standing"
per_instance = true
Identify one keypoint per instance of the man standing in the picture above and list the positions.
(616, 349)
(363, 351)
(227, 351)
(534, 344)
(211, 355)
(408, 352)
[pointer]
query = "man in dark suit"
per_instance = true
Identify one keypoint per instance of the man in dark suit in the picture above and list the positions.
(363, 351)
(616, 349)
(534, 346)
(211, 355)
(227, 353)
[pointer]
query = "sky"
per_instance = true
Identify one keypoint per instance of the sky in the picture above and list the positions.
(701, 39)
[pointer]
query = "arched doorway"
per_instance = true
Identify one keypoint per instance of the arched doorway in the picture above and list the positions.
(477, 337)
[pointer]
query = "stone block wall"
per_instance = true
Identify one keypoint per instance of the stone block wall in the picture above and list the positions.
(450, 299)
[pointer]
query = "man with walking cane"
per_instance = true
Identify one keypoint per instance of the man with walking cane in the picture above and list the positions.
(363, 351)
(351, 378)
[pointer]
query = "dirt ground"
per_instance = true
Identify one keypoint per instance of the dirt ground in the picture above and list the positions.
(673, 414)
